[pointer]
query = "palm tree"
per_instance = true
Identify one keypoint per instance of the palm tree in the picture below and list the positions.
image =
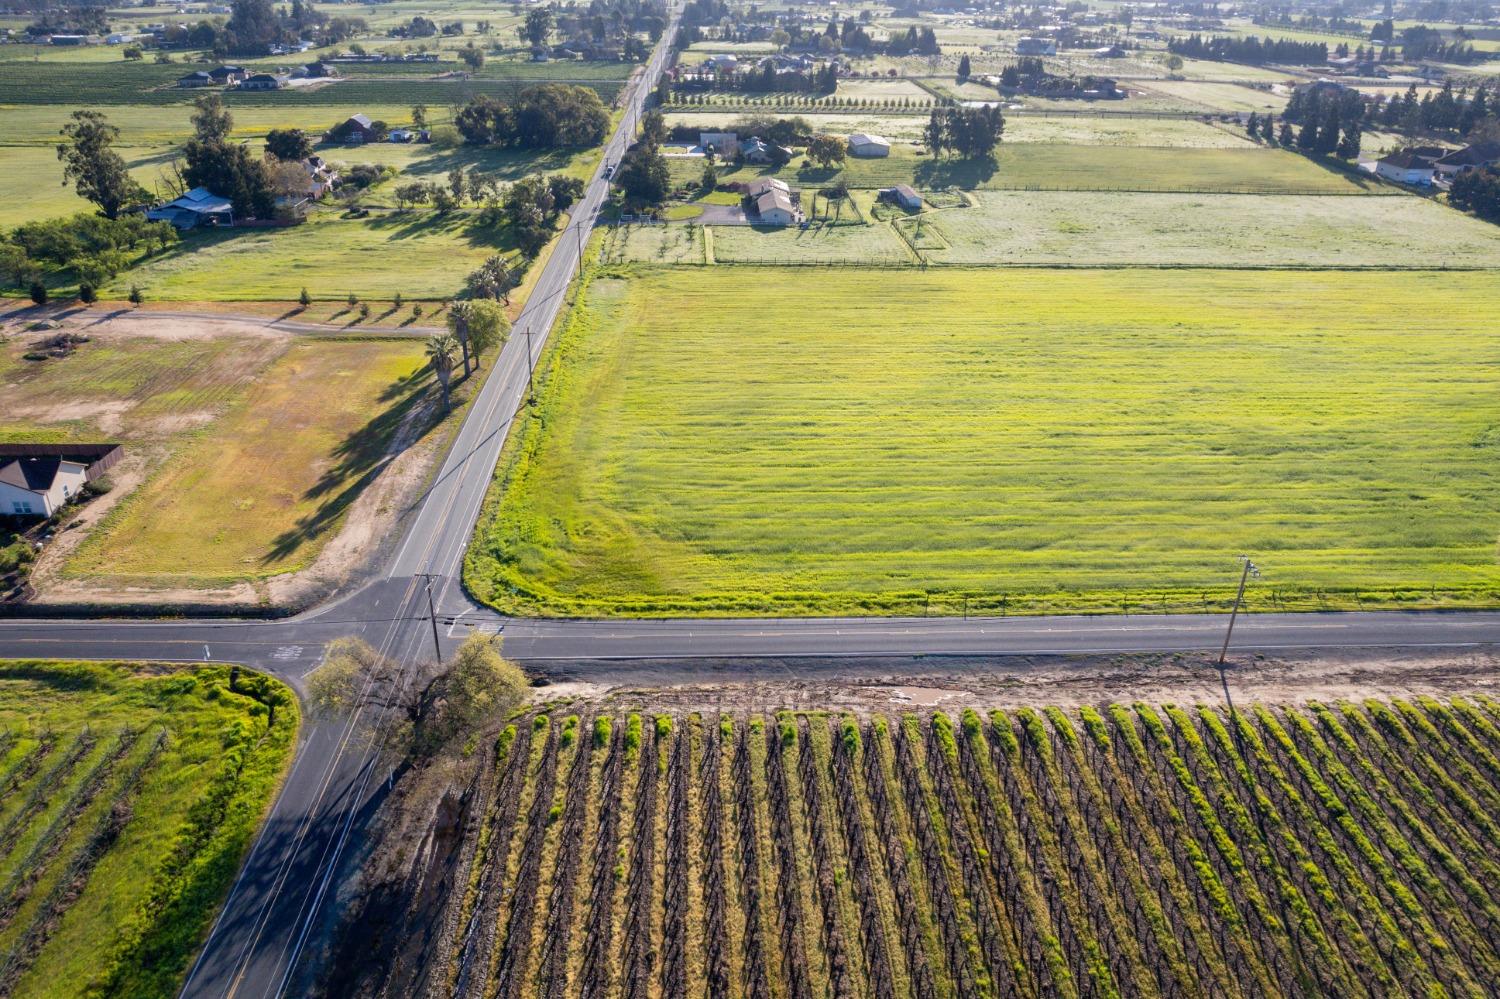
(441, 348)
(458, 325)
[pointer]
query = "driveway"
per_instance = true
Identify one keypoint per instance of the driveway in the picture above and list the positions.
(722, 215)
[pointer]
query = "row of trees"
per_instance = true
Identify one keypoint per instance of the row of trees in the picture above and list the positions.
(1252, 50)
(1471, 116)
(1325, 134)
(971, 133)
(546, 116)
(92, 247)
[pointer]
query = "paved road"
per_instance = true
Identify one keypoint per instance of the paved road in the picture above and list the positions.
(262, 932)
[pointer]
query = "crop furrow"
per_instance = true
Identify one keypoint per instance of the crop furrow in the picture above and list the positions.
(674, 961)
(596, 970)
(842, 972)
(757, 972)
(25, 768)
(557, 934)
(925, 820)
(718, 963)
(637, 944)
(880, 961)
(911, 906)
(795, 962)
(1433, 720)
(515, 952)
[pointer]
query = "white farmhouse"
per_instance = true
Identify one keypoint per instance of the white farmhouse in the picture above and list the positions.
(37, 480)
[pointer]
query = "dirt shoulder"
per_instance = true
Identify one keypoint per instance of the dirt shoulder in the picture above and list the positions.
(926, 684)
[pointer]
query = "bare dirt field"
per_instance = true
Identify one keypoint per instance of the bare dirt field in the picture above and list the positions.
(904, 683)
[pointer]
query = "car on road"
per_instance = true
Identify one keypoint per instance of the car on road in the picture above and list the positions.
(609, 171)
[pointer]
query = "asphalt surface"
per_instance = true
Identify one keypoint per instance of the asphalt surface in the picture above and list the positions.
(265, 927)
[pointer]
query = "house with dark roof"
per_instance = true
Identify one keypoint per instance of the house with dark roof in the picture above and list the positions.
(1474, 157)
(1413, 166)
(228, 75)
(37, 480)
(199, 78)
(263, 81)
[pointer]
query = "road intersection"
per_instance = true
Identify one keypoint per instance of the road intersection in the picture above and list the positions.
(265, 927)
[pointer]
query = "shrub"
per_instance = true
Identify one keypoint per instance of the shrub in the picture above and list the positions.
(86, 294)
(304, 299)
(364, 310)
(601, 732)
(136, 295)
(38, 293)
(353, 300)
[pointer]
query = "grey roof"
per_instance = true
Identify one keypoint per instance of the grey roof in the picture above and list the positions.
(1478, 154)
(34, 474)
(363, 120)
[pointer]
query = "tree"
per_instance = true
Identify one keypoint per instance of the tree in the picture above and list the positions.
(458, 326)
(537, 27)
(472, 57)
(98, 172)
(136, 295)
(419, 115)
(304, 299)
(441, 351)
(458, 184)
(493, 279)
(488, 327)
(1348, 148)
(411, 193)
(653, 127)
(963, 69)
(133, 53)
(288, 144)
(223, 167)
(565, 191)
(1284, 137)
(1252, 127)
(710, 179)
(643, 174)
(433, 709)
(38, 293)
(252, 28)
(826, 150)
(212, 122)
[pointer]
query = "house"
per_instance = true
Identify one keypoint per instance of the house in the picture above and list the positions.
(775, 208)
(762, 185)
(321, 178)
(263, 81)
(118, 38)
(36, 480)
(904, 195)
(200, 206)
(314, 71)
(871, 146)
(725, 145)
(752, 150)
(1475, 157)
(1036, 47)
(228, 75)
(74, 40)
(196, 79)
(1109, 52)
(1409, 166)
(355, 130)
(720, 64)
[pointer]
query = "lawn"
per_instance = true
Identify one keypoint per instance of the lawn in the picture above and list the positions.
(132, 793)
(418, 253)
(1057, 440)
(260, 491)
(133, 388)
(31, 184)
(1057, 167)
(1210, 230)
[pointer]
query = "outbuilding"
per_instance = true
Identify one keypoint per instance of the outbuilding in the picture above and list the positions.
(1413, 166)
(869, 146)
(904, 195)
(200, 206)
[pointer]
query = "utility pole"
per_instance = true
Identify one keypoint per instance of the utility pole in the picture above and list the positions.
(432, 616)
(1235, 612)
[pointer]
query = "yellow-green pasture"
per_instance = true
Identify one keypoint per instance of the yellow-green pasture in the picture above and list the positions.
(734, 440)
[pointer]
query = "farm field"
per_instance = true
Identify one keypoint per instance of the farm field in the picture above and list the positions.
(1105, 228)
(1057, 167)
(32, 187)
(260, 491)
(418, 253)
(128, 796)
(1196, 95)
(1339, 848)
(1057, 440)
(876, 244)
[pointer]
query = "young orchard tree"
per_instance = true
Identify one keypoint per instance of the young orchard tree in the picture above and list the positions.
(98, 172)
(442, 350)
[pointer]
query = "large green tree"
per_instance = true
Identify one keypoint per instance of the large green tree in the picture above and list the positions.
(226, 168)
(98, 172)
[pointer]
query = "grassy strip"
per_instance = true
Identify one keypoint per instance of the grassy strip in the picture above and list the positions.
(806, 974)
(846, 960)
(762, 957)
(47, 783)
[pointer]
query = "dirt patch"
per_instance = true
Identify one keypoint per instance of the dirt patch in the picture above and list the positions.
(906, 684)
(107, 415)
(131, 471)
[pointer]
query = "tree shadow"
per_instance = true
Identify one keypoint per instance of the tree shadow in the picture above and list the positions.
(358, 461)
(964, 174)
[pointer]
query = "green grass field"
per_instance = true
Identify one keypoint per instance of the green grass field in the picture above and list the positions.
(1057, 167)
(1209, 230)
(260, 491)
(417, 253)
(131, 793)
(722, 440)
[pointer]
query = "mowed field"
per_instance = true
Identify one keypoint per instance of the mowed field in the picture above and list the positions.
(1340, 849)
(733, 440)
(263, 489)
(128, 796)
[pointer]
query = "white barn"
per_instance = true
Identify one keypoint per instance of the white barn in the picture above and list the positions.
(861, 144)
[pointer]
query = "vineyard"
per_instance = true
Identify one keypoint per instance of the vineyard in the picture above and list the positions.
(1344, 849)
(126, 802)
